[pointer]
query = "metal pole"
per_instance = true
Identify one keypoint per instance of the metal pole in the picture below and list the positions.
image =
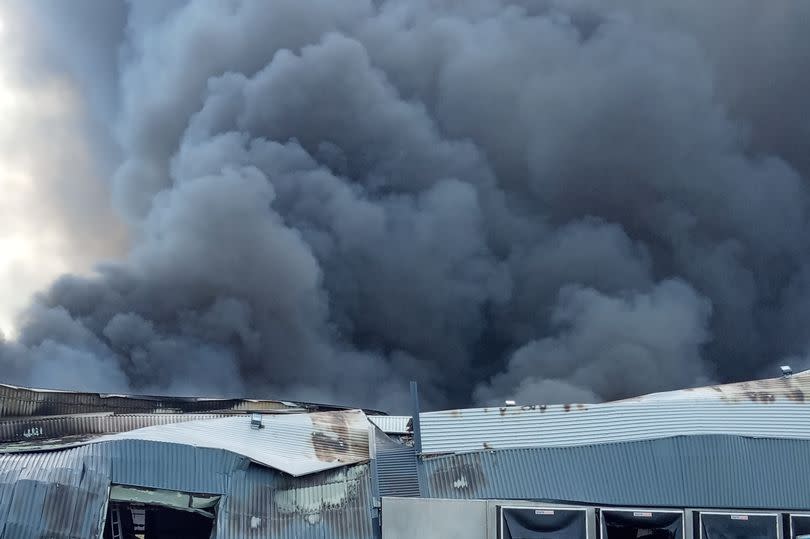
(417, 429)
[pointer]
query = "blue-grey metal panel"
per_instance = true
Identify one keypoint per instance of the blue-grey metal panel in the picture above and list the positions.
(264, 503)
(396, 467)
(170, 466)
(60, 495)
(686, 471)
(477, 429)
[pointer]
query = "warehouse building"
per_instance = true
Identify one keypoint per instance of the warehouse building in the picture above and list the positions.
(718, 462)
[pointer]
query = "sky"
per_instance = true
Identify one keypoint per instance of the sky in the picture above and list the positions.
(541, 201)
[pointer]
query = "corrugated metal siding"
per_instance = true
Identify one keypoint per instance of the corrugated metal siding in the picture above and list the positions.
(59, 495)
(170, 466)
(686, 471)
(396, 468)
(391, 424)
(62, 494)
(570, 425)
(266, 504)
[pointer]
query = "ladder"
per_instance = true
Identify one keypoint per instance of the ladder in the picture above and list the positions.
(115, 524)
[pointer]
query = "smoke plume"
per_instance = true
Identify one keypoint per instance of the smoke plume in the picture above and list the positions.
(546, 201)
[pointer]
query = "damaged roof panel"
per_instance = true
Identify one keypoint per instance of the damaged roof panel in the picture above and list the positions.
(27, 402)
(18, 433)
(62, 494)
(478, 429)
(794, 388)
(297, 444)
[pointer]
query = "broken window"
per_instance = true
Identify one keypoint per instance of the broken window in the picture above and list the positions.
(137, 513)
(739, 526)
(641, 524)
(542, 523)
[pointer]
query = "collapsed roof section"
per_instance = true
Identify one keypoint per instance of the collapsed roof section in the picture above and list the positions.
(295, 438)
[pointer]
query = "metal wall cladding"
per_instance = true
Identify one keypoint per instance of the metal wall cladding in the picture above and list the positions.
(396, 468)
(687, 471)
(264, 503)
(59, 495)
(63, 494)
(478, 429)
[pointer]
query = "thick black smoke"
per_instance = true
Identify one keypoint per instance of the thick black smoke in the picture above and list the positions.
(540, 200)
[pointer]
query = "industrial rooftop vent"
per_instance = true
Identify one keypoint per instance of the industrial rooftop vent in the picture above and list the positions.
(543, 522)
(646, 523)
(718, 525)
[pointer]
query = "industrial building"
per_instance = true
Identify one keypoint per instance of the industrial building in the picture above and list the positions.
(716, 462)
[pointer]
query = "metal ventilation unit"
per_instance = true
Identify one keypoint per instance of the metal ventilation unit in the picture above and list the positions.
(544, 522)
(724, 525)
(628, 523)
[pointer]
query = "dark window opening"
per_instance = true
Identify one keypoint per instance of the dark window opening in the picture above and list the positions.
(641, 524)
(542, 523)
(800, 527)
(144, 521)
(738, 526)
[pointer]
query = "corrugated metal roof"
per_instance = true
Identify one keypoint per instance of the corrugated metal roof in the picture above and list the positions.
(392, 424)
(685, 471)
(794, 388)
(331, 504)
(296, 444)
(27, 402)
(396, 467)
(570, 425)
(32, 431)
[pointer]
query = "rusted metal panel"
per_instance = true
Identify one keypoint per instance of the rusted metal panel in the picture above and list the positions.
(685, 471)
(770, 408)
(265, 504)
(297, 444)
